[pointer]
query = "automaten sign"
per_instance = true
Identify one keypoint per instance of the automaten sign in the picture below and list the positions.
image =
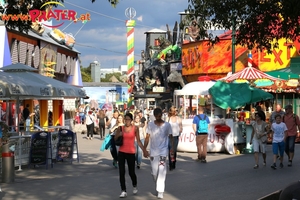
(60, 15)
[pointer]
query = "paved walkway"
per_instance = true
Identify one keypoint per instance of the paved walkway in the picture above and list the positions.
(223, 177)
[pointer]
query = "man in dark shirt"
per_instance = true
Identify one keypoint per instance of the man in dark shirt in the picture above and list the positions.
(143, 119)
(26, 112)
(259, 110)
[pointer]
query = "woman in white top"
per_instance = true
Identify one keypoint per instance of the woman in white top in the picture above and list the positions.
(142, 131)
(176, 125)
(89, 121)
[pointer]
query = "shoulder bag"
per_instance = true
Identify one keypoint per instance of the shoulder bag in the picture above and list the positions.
(119, 140)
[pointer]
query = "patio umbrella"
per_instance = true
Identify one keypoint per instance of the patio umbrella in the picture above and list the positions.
(60, 89)
(249, 73)
(236, 95)
(13, 87)
(195, 88)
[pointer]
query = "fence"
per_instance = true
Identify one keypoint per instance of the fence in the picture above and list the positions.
(21, 144)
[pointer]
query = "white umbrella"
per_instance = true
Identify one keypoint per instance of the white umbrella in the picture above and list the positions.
(195, 88)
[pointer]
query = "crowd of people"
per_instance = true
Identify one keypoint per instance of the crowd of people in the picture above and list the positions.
(162, 132)
(282, 128)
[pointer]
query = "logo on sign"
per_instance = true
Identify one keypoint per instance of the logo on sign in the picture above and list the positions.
(38, 15)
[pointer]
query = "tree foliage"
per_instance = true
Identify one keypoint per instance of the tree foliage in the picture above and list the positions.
(258, 22)
(86, 74)
(23, 7)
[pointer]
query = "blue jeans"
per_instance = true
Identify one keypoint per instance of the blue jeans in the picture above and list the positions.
(113, 149)
(138, 152)
(82, 117)
(27, 123)
(175, 142)
(290, 144)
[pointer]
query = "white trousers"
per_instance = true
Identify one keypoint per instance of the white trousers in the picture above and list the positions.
(159, 172)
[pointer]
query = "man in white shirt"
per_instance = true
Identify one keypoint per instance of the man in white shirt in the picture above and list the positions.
(159, 132)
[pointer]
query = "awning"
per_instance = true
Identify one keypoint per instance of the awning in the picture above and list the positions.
(60, 89)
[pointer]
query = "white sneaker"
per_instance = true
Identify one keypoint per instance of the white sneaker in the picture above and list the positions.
(160, 195)
(123, 194)
(135, 190)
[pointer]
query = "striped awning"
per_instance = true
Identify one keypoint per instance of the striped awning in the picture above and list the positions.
(249, 73)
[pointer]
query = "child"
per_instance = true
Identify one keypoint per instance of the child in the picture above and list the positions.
(279, 133)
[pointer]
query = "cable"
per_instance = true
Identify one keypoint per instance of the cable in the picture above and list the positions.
(122, 20)
(117, 52)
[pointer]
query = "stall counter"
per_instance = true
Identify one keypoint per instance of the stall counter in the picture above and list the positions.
(215, 142)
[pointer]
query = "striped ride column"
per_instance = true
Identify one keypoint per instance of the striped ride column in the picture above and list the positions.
(250, 61)
(130, 59)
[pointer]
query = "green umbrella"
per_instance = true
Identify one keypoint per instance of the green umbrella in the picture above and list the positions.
(236, 95)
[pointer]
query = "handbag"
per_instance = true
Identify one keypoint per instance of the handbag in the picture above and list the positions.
(119, 140)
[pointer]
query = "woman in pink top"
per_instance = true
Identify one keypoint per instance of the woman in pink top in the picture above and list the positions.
(127, 152)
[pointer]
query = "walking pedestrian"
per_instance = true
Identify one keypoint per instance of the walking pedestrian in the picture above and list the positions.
(200, 127)
(102, 123)
(116, 121)
(292, 122)
(89, 121)
(142, 132)
(277, 111)
(176, 125)
(159, 133)
(279, 132)
(259, 139)
(130, 133)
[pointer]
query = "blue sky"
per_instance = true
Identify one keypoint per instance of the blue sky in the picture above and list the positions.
(107, 29)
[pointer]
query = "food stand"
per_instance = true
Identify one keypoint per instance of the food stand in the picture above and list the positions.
(187, 101)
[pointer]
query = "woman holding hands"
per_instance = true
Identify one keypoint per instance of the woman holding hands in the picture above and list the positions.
(127, 151)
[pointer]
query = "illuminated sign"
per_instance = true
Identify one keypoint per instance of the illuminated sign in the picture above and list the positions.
(48, 14)
(203, 58)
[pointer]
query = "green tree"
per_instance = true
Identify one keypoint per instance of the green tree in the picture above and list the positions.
(258, 22)
(86, 74)
(23, 7)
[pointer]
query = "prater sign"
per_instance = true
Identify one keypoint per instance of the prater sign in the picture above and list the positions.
(41, 16)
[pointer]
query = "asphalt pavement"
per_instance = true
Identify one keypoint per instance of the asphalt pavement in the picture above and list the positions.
(224, 176)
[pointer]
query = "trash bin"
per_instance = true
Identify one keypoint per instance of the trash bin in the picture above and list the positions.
(8, 164)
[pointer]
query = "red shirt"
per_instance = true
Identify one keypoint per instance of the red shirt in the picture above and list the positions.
(128, 141)
(291, 125)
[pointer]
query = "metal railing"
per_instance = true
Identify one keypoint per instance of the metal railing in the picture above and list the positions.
(21, 144)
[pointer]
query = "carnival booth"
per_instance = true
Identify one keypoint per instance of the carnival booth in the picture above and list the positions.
(187, 100)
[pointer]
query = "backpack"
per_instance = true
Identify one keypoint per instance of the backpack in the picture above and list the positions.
(202, 125)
